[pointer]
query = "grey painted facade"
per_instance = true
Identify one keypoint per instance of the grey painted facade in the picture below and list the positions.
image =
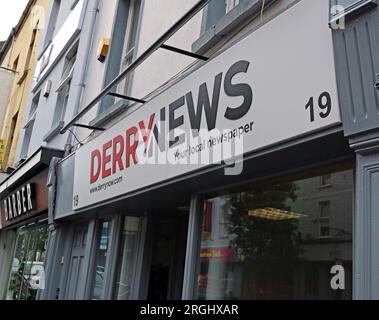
(152, 203)
(357, 64)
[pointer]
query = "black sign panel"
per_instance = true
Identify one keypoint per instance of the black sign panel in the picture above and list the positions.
(20, 202)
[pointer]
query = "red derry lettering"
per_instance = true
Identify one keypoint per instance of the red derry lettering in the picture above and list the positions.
(116, 154)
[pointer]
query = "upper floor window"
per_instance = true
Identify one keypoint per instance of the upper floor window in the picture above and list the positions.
(64, 89)
(52, 22)
(128, 52)
(325, 180)
(219, 8)
(29, 125)
(15, 63)
(123, 47)
(28, 62)
(224, 17)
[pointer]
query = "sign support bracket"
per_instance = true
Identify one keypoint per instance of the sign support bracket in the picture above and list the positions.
(184, 52)
(88, 127)
(117, 95)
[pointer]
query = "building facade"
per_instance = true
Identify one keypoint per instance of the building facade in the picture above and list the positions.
(139, 220)
(55, 87)
(238, 160)
(18, 57)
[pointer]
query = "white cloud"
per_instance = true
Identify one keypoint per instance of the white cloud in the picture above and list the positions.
(9, 16)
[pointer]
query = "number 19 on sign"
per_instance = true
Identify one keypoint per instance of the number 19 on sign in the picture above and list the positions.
(324, 106)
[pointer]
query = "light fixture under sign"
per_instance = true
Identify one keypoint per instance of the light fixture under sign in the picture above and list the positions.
(274, 214)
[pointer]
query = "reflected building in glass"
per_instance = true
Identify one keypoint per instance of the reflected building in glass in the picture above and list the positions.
(278, 240)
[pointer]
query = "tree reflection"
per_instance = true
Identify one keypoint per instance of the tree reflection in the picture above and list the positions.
(268, 249)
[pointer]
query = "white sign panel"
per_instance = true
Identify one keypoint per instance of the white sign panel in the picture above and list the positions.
(276, 84)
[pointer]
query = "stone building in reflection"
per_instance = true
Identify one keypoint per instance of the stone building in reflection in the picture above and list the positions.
(326, 233)
(278, 241)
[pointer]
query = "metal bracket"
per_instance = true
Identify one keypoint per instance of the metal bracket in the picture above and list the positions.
(186, 53)
(88, 127)
(126, 97)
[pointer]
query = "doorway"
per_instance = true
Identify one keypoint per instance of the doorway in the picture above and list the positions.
(77, 268)
(167, 259)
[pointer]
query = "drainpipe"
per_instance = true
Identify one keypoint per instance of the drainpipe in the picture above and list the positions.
(83, 71)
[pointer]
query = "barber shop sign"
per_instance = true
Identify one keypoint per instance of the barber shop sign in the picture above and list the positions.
(19, 203)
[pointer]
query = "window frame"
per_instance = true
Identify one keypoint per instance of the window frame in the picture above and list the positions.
(28, 127)
(94, 251)
(111, 107)
(139, 254)
(64, 87)
(232, 21)
(195, 227)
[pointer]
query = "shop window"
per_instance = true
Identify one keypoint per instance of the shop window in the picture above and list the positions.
(123, 47)
(127, 258)
(27, 271)
(270, 250)
(102, 249)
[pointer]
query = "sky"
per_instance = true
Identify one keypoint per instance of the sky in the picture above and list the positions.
(10, 16)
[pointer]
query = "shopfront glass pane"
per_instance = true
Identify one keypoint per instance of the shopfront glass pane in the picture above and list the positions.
(27, 272)
(101, 260)
(127, 256)
(279, 241)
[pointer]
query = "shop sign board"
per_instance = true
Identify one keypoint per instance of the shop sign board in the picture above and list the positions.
(276, 84)
(26, 201)
(19, 203)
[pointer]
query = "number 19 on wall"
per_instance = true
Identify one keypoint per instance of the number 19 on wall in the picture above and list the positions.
(324, 106)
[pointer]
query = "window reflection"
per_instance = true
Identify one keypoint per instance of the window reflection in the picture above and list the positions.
(27, 271)
(282, 240)
(128, 255)
(101, 261)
